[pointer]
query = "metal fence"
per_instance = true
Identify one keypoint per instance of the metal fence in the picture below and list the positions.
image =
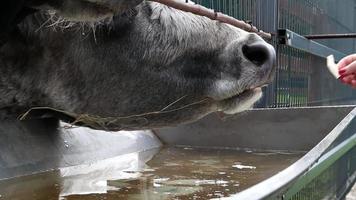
(301, 78)
(332, 175)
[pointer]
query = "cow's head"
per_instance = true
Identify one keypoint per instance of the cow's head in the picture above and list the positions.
(153, 64)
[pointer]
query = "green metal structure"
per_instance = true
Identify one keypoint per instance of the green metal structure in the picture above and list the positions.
(323, 180)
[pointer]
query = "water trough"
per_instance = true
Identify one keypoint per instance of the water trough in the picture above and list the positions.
(325, 133)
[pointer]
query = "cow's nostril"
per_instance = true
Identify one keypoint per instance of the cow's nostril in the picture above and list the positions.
(257, 53)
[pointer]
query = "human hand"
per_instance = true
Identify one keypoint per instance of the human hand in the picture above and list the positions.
(347, 70)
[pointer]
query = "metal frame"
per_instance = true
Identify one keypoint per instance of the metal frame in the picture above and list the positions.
(330, 36)
(325, 162)
(292, 39)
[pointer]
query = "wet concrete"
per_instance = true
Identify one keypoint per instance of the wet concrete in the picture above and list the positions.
(168, 173)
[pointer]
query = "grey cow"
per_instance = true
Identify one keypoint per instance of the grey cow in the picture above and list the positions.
(154, 64)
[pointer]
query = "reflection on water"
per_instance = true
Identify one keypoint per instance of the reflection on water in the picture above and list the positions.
(169, 173)
(92, 179)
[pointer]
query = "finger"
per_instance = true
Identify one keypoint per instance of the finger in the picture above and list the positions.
(351, 80)
(353, 83)
(349, 69)
(346, 61)
(348, 79)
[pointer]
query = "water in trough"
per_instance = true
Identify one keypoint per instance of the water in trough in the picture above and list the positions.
(167, 173)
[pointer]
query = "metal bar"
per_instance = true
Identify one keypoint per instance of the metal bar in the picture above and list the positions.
(289, 82)
(325, 162)
(331, 36)
(275, 82)
(289, 38)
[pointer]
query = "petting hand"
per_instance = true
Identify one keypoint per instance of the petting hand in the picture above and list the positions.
(347, 70)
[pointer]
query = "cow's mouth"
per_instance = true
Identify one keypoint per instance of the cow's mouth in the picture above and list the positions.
(242, 101)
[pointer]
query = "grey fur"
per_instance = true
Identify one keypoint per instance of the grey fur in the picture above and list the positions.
(150, 58)
(85, 10)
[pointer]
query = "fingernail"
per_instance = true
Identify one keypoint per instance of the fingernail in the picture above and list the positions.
(342, 71)
(342, 76)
